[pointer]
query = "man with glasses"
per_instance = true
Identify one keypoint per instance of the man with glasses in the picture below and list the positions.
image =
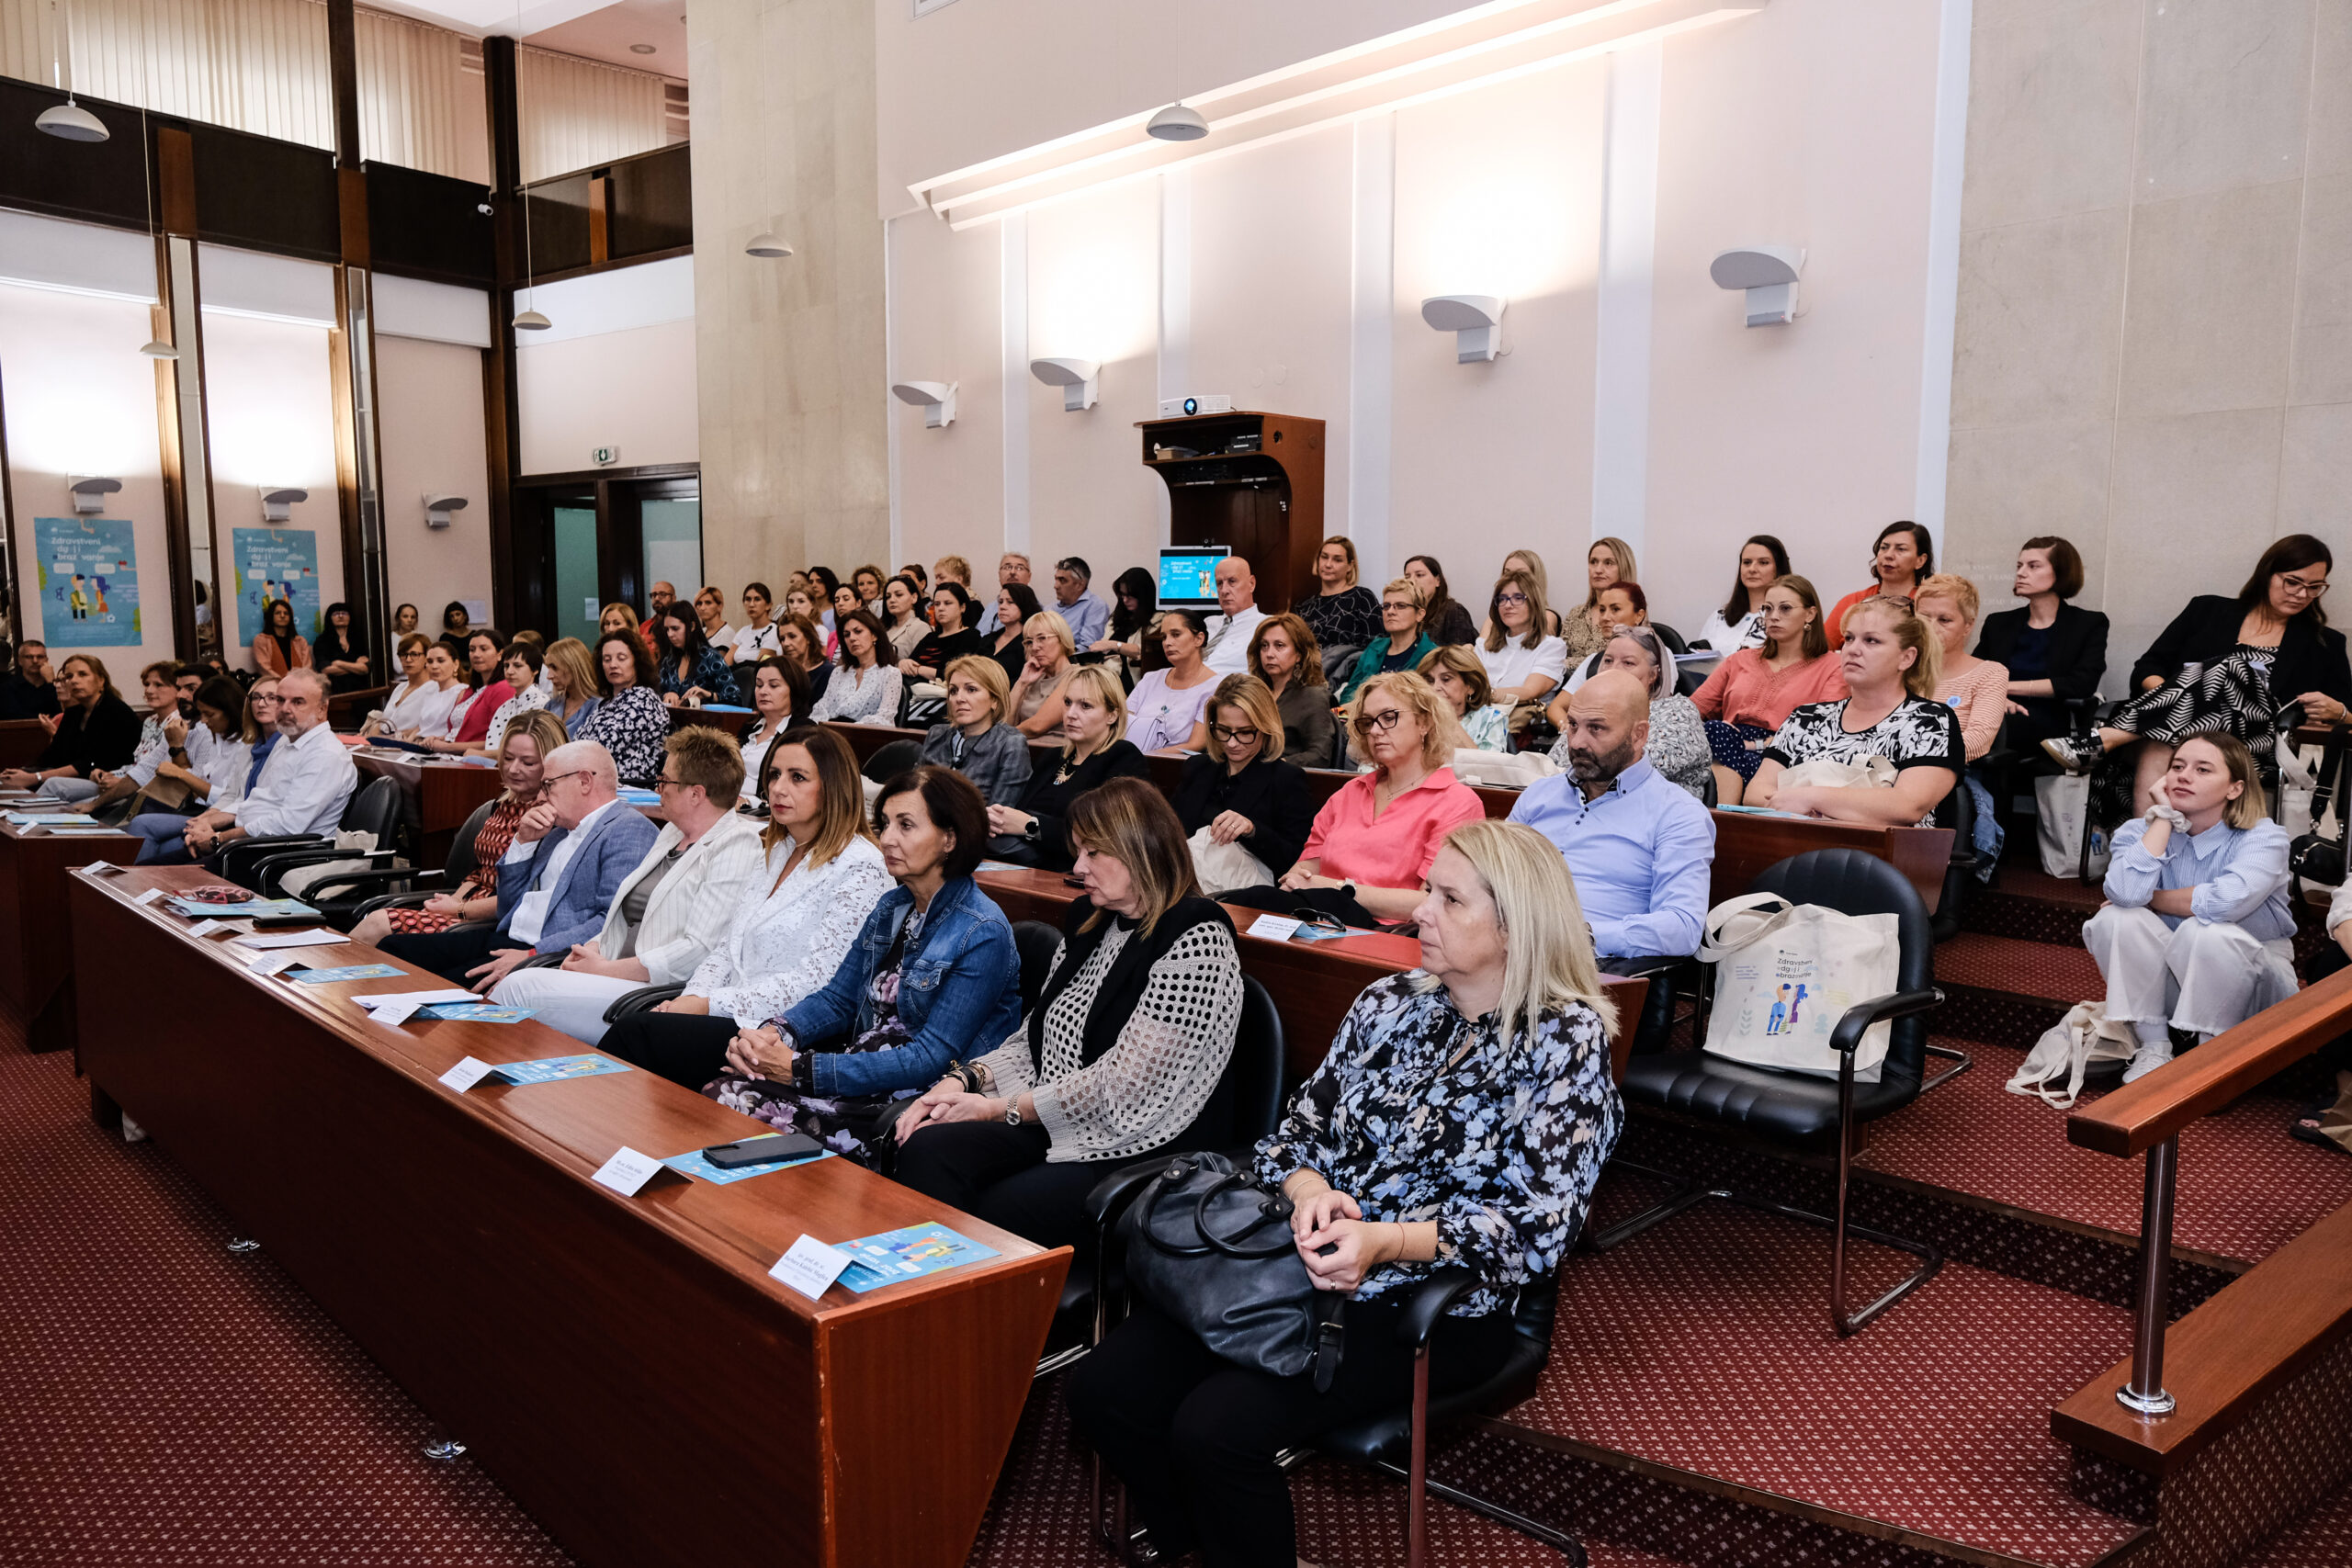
(1227, 652)
(571, 853)
(663, 595)
(301, 788)
(1010, 568)
(672, 909)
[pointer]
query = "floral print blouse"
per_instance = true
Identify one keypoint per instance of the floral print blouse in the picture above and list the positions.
(631, 724)
(1418, 1113)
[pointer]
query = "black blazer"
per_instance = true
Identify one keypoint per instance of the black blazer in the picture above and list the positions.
(89, 739)
(1271, 795)
(2077, 647)
(1048, 802)
(2311, 657)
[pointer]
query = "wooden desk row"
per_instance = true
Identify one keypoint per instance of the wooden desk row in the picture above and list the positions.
(623, 1367)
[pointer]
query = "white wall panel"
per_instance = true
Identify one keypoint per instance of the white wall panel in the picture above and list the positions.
(944, 325)
(429, 425)
(634, 390)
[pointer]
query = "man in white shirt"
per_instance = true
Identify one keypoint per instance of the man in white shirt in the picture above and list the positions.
(302, 788)
(1227, 652)
(1011, 568)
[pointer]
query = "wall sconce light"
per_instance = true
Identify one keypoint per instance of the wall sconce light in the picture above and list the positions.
(936, 399)
(90, 492)
(1077, 377)
(1769, 273)
(1475, 320)
(438, 505)
(277, 505)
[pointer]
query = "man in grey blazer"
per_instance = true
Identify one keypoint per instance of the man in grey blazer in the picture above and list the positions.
(571, 851)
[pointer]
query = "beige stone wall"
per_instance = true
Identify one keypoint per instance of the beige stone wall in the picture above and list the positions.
(2154, 353)
(789, 353)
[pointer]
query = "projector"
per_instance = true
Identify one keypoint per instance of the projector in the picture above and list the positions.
(1178, 408)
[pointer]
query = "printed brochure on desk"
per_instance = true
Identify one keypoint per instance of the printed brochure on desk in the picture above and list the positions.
(692, 1164)
(896, 1256)
(260, 909)
(549, 1071)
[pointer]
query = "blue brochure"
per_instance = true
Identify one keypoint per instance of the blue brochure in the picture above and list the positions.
(896, 1256)
(347, 971)
(548, 1071)
(265, 908)
(50, 818)
(692, 1164)
(479, 1013)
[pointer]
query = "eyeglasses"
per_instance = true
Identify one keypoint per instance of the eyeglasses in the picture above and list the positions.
(2302, 588)
(1384, 719)
(1245, 734)
(1388, 605)
(551, 780)
(661, 782)
(1510, 598)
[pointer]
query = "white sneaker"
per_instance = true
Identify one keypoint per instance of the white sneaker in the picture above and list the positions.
(2147, 1059)
(132, 1132)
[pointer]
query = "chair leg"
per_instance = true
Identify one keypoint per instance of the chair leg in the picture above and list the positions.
(1566, 1545)
(1416, 1524)
(1963, 1062)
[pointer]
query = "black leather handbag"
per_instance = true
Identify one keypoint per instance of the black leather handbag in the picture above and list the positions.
(2313, 856)
(1210, 1246)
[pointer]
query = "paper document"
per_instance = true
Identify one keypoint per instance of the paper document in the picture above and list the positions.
(290, 938)
(416, 998)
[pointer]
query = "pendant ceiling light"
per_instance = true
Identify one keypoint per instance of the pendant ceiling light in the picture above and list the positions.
(1178, 122)
(532, 322)
(766, 243)
(526, 319)
(154, 347)
(69, 120)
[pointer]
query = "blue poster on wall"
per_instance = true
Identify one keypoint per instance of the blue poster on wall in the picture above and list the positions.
(277, 563)
(89, 581)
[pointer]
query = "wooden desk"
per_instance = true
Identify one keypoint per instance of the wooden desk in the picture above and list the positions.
(1745, 844)
(35, 943)
(1312, 983)
(346, 709)
(865, 739)
(623, 1367)
(440, 794)
(21, 740)
(735, 724)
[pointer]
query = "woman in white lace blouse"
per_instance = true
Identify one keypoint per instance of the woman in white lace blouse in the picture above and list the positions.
(793, 925)
(1122, 1052)
(866, 688)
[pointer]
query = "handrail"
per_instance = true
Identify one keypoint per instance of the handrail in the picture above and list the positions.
(2141, 1115)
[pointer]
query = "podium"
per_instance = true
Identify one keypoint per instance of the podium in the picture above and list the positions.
(1252, 482)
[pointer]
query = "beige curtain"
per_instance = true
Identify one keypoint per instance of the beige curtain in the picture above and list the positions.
(578, 113)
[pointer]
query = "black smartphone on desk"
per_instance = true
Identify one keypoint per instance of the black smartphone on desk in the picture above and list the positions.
(762, 1151)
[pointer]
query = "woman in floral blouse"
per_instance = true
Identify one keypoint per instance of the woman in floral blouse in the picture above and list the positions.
(1461, 1118)
(521, 761)
(630, 721)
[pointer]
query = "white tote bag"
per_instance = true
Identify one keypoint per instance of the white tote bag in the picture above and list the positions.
(1223, 868)
(2054, 1069)
(2060, 804)
(1786, 972)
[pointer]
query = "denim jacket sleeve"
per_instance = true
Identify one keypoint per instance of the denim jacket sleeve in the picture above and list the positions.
(830, 1013)
(973, 976)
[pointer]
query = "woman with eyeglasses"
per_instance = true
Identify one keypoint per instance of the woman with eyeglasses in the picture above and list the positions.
(1902, 557)
(1240, 790)
(1403, 606)
(2241, 666)
(1094, 712)
(1368, 856)
(1049, 647)
(1165, 708)
(1523, 663)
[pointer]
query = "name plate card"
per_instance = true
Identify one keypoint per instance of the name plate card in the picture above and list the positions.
(462, 1078)
(1276, 928)
(627, 1171)
(810, 1267)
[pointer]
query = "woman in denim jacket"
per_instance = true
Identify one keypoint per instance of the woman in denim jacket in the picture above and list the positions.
(932, 980)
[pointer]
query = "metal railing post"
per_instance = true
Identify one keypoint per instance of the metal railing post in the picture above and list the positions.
(2146, 1392)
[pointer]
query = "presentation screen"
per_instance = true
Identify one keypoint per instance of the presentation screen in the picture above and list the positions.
(1188, 576)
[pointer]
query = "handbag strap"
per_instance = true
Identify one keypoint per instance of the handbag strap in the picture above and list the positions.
(1723, 914)
(1273, 1209)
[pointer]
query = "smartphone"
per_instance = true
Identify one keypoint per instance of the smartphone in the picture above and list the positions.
(762, 1151)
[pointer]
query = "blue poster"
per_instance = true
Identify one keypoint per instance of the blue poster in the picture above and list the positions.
(89, 581)
(277, 563)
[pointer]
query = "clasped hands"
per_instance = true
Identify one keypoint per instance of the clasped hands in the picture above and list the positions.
(762, 1054)
(948, 1101)
(1328, 1219)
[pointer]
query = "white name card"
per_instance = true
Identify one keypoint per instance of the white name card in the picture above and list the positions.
(267, 964)
(628, 1171)
(205, 928)
(810, 1267)
(150, 896)
(1278, 928)
(392, 1017)
(462, 1076)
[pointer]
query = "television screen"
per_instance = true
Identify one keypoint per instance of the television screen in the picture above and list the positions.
(1188, 576)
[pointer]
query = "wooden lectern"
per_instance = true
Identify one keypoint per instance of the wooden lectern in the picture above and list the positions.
(1252, 482)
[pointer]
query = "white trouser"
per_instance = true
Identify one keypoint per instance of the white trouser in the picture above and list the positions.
(573, 1003)
(68, 788)
(2201, 977)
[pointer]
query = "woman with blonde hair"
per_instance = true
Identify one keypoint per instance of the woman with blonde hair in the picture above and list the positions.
(1121, 1056)
(975, 741)
(1752, 692)
(1530, 563)
(1036, 691)
(569, 671)
(1460, 677)
(1341, 612)
(1891, 661)
(1404, 618)
(1239, 791)
(1094, 718)
(1284, 654)
(1461, 1118)
(1374, 839)
(1609, 562)
(523, 751)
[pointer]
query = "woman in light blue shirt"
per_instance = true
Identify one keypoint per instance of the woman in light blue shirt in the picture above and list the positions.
(2195, 936)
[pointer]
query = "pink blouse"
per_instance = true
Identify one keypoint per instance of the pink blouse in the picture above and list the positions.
(1981, 697)
(1396, 849)
(1745, 690)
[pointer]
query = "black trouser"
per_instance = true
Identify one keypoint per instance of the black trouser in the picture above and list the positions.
(1650, 1030)
(686, 1048)
(1194, 1436)
(451, 953)
(1338, 903)
(2336, 1056)
(1000, 1173)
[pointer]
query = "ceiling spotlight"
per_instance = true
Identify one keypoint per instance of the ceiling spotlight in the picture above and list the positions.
(157, 348)
(1177, 122)
(532, 322)
(766, 243)
(640, 48)
(71, 121)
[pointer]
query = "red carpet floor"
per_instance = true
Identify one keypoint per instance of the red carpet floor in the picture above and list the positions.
(2320, 1539)
(2244, 1189)
(1705, 1343)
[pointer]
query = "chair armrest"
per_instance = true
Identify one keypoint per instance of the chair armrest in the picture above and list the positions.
(1858, 1019)
(419, 880)
(1429, 1301)
(1110, 1197)
(542, 961)
(413, 899)
(640, 1001)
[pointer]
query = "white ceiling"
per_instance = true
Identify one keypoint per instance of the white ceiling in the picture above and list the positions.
(593, 29)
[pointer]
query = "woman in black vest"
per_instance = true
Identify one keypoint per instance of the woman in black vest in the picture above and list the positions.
(1121, 1054)
(2053, 650)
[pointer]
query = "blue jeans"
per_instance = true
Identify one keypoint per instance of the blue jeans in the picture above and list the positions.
(161, 832)
(1989, 835)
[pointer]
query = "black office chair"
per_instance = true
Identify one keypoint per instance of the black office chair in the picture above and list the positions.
(1037, 943)
(1813, 1113)
(350, 899)
(1957, 812)
(375, 808)
(893, 760)
(1710, 796)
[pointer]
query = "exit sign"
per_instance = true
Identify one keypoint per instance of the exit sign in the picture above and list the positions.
(605, 456)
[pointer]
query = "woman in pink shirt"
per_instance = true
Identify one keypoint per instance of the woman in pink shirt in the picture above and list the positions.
(1752, 693)
(1374, 842)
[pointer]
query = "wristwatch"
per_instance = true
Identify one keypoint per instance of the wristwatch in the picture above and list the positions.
(1029, 829)
(1012, 1111)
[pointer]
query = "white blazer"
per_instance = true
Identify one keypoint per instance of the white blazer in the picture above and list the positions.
(689, 912)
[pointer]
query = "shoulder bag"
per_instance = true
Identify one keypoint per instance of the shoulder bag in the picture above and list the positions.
(1786, 972)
